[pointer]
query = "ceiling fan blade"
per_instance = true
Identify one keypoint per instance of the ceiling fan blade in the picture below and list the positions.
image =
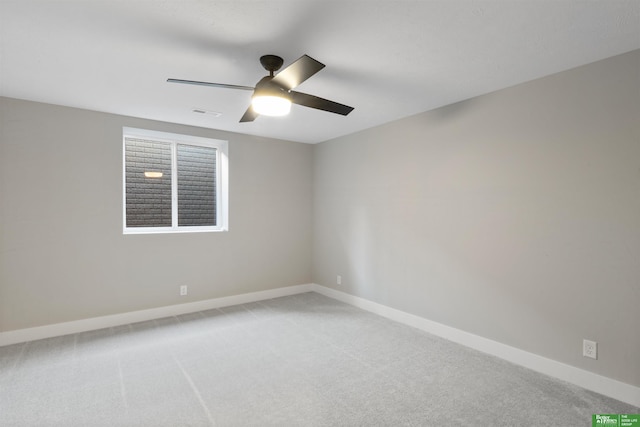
(193, 82)
(303, 68)
(319, 103)
(249, 115)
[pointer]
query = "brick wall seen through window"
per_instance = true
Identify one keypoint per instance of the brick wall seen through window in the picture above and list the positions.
(148, 199)
(196, 185)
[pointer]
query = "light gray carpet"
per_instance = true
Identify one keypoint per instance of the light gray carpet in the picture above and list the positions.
(304, 360)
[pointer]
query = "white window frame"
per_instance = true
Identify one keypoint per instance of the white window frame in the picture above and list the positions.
(222, 180)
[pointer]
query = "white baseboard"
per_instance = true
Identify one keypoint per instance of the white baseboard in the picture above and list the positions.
(58, 329)
(609, 387)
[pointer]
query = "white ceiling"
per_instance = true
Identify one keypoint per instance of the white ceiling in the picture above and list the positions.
(388, 59)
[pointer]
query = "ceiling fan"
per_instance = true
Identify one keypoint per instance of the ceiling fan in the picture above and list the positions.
(273, 94)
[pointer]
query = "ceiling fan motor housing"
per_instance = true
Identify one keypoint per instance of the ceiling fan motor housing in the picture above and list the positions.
(266, 88)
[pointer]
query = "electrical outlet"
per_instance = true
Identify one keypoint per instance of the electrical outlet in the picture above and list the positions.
(183, 290)
(339, 280)
(590, 349)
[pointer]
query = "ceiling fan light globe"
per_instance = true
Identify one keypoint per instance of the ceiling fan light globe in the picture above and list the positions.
(269, 105)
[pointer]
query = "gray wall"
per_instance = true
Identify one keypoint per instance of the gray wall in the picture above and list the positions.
(63, 256)
(514, 216)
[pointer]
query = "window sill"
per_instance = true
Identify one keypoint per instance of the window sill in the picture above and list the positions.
(171, 231)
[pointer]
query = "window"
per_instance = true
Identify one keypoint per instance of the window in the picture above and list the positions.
(173, 183)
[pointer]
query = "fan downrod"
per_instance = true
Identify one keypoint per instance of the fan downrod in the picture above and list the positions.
(271, 63)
